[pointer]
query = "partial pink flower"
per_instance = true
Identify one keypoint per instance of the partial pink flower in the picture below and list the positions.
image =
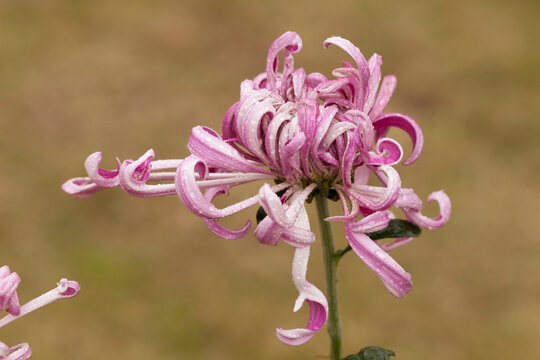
(298, 133)
(9, 281)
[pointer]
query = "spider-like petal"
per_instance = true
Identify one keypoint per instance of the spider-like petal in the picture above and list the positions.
(445, 206)
(18, 352)
(394, 278)
(385, 121)
(318, 305)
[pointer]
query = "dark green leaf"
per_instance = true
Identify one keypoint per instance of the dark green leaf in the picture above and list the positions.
(375, 353)
(352, 357)
(261, 214)
(371, 353)
(396, 228)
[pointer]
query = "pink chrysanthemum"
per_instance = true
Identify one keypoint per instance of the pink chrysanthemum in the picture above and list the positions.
(302, 133)
(9, 300)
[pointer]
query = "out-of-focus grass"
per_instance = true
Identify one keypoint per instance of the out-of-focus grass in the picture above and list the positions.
(121, 77)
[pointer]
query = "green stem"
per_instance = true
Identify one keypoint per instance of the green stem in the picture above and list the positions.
(330, 264)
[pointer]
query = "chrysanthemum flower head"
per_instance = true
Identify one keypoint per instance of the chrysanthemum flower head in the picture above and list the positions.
(298, 133)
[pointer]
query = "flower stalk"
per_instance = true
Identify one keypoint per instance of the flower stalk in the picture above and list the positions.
(330, 267)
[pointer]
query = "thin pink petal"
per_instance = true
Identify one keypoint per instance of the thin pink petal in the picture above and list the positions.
(385, 121)
(395, 279)
(388, 151)
(81, 187)
(101, 177)
(215, 226)
(291, 43)
(388, 86)
(318, 305)
(432, 223)
(191, 195)
(208, 145)
(134, 175)
(18, 352)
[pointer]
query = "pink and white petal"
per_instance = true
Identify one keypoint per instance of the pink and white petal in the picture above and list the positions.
(134, 175)
(8, 291)
(374, 63)
(348, 215)
(323, 124)
(385, 121)
(335, 131)
(272, 134)
(101, 177)
(348, 159)
(190, 194)
(298, 80)
(388, 86)
(408, 199)
(290, 157)
(208, 145)
(374, 222)
(397, 243)
(361, 175)
(375, 197)
(298, 237)
(268, 232)
(215, 226)
(19, 352)
(387, 151)
(314, 79)
(316, 300)
(81, 187)
(394, 278)
(358, 58)
(432, 223)
(251, 128)
(291, 43)
(284, 217)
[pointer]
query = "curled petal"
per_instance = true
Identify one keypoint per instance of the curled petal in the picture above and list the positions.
(335, 131)
(135, 174)
(388, 86)
(388, 151)
(298, 79)
(289, 156)
(298, 237)
(208, 145)
(190, 193)
(394, 278)
(384, 121)
(374, 222)
(374, 63)
(361, 175)
(275, 210)
(251, 128)
(348, 215)
(318, 305)
(65, 289)
(445, 207)
(268, 232)
(81, 187)
(347, 160)
(215, 226)
(358, 58)
(8, 291)
(19, 352)
(397, 243)
(291, 43)
(375, 197)
(101, 177)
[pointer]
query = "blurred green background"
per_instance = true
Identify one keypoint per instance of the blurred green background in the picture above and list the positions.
(123, 77)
